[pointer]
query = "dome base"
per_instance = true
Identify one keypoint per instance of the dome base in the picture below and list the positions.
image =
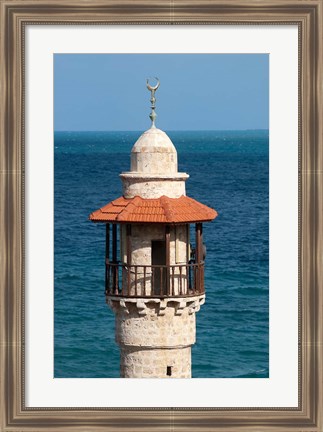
(153, 185)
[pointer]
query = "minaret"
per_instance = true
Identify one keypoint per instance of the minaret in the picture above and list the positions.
(154, 278)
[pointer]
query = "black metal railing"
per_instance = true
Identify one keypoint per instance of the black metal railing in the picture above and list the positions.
(178, 280)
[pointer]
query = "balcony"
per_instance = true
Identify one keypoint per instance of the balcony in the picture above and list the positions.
(158, 281)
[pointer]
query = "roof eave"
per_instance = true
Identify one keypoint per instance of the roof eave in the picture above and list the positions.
(150, 222)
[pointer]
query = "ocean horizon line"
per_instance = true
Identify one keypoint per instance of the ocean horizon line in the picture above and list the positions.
(166, 130)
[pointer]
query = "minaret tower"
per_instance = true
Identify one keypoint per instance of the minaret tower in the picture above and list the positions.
(154, 277)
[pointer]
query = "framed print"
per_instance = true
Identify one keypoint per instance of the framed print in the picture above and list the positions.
(258, 178)
(50, 49)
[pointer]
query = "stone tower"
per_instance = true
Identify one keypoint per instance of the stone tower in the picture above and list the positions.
(154, 278)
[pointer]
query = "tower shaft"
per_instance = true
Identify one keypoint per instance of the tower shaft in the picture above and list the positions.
(155, 337)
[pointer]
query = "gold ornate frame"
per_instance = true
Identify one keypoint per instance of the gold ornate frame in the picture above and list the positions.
(15, 15)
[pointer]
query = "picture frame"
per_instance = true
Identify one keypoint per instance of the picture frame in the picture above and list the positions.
(15, 16)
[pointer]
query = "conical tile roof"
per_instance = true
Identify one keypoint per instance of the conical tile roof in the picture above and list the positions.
(159, 210)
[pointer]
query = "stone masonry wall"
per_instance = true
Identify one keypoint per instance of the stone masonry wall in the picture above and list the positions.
(155, 363)
(155, 335)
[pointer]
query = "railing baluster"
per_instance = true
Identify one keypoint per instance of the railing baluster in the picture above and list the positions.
(202, 281)
(114, 279)
(106, 278)
(110, 279)
(107, 267)
(128, 279)
(123, 278)
(144, 293)
(136, 287)
(173, 282)
(187, 276)
(117, 278)
(180, 281)
(198, 279)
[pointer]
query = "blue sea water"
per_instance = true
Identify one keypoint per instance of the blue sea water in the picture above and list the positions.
(229, 171)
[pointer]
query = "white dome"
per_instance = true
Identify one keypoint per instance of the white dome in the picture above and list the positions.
(154, 153)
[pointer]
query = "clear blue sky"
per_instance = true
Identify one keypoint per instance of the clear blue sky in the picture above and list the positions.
(102, 92)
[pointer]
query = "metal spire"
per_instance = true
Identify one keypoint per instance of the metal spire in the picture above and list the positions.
(152, 89)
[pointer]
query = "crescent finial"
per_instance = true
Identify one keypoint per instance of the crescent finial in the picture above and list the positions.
(152, 89)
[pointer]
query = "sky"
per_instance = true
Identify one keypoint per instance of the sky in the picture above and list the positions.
(107, 92)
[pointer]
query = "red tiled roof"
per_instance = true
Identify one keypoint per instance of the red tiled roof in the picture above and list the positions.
(159, 210)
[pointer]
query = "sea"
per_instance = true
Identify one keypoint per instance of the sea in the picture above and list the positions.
(229, 171)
